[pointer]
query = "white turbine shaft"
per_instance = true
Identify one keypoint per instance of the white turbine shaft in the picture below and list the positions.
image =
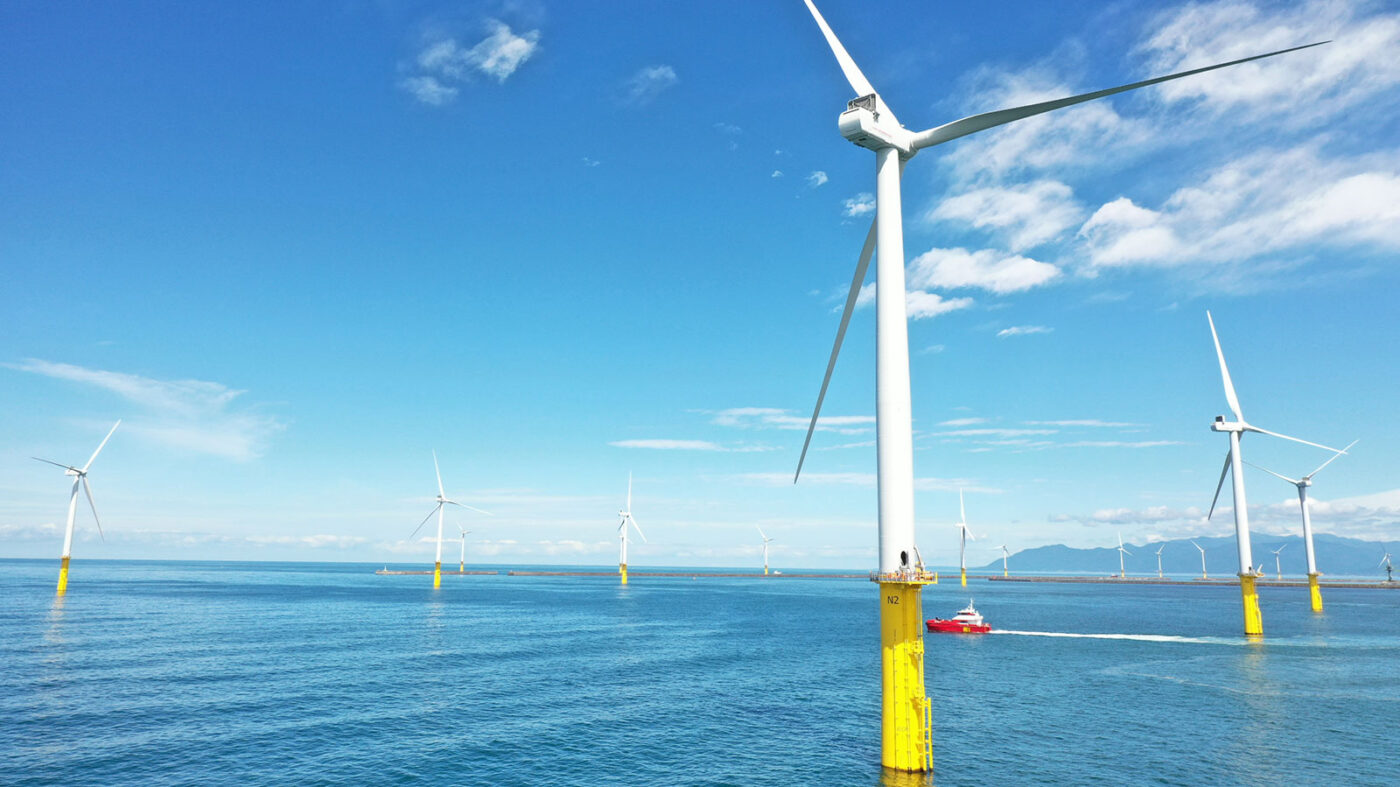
(72, 517)
(893, 419)
(1241, 507)
(1307, 529)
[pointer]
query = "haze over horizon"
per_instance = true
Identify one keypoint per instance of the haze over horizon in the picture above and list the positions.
(297, 251)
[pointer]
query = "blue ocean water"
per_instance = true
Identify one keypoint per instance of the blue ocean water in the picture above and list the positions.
(208, 673)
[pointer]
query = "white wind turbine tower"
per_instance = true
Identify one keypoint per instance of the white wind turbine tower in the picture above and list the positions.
(869, 123)
(462, 563)
(1253, 621)
(1005, 572)
(964, 534)
(441, 502)
(1122, 572)
(766, 542)
(1159, 560)
(1203, 559)
(80, 478)
(1303, 483)
(626, 515)
(1278, 565)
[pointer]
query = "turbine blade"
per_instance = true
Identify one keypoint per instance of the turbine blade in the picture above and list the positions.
(425, 521)
(1218, 485)
(761, 534)
(1293, 481)
(55, 464)
(862, 265)
(469, 508)
(986, 120)
(639, 529)
(1198, 546)
(1126, 552)
(88, 489)
(439, 474)
(962, 509)
(101, 445)
(1333, 459)
(858, 81)
(1253, 428)
(1225, 372)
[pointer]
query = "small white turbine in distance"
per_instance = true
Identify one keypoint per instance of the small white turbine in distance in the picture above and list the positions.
(462, 563)
(1203, 559)
(1122, 572)
(1314, 590)
(964, 535)
(1005, 572)
(626, 515)
(1278, 565)
(441, 502)
(1159, 560)
(80, 478)
(766, 542)
(1253, 621)
(1385, 561)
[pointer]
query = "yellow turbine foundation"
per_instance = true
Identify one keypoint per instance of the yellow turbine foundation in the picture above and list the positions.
(765, 571)
(1253, 621)
(906, 715)
(437, 575)
(63, 576)
(1316, 593)
(622, 569)
(964, 577)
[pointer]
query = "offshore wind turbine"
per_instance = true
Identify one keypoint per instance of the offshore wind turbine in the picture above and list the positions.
(1122, 572)
(868, 122)
(766, 541)
(441, 502)
(626, 515)
(1385, 561)
(1253, 621)
(80, 478)
(1159, 560)
(963, 535)
(1303, 483)
(1278, 565)
(462, 563)
(1005, 572)
(1203, 559)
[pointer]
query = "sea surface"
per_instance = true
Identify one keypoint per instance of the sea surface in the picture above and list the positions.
(314, 673)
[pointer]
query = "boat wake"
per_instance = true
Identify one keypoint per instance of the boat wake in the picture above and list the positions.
(1134, 637)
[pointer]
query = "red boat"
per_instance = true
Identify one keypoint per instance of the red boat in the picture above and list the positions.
(968, 621)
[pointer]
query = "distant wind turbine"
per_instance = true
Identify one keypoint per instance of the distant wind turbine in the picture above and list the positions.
(1159, 560)
(1005, 572)
(1314, 590)
(462, 563)
(80, 478)
(1253, 621)
(1203, 559)
(626, 515)
(1122, 572)
(441, 501)
(766, 541)
(1278, 566)
(869, 123)
(1385, 561)
(963, 536)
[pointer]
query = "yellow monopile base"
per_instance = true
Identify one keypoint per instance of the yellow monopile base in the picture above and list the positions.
(63, 576)
(964, 577)
(1005, 572)
(1316, 593)
(622, 569)
(765, 571)
(906, 738)
(1253, 621)
(437, 575)
(461, 568)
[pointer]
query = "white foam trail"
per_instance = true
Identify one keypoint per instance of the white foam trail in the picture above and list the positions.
(1134, 637)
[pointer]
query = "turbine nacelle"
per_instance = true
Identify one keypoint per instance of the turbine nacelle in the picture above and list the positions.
(867, 122)
(1221, 425)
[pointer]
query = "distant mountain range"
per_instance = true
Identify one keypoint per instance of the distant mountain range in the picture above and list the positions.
(1336, 556)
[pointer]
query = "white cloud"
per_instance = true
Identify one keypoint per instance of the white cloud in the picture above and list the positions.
(777, 173)
(686, 445)
(816, 179)
(1093, 422)
(429, 90)
(950, 269)
(590, 162)
(1122, 443)
(1022, 330)
(963, 422)
(649, 82)
(993, 431)
(919, 304)
(1030, 213)
(193, 415)
(860, 205)
(774, 418)
(502, 52)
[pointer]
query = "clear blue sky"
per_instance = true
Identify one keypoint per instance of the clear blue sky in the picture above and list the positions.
(298, 247)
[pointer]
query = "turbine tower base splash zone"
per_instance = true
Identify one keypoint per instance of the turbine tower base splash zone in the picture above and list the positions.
(906, 714)
(437, 575)
(1253, 620)
(1315, 592)
(63, 575)
(622, 569)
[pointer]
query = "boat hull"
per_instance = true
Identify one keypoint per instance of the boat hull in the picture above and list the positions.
(938, 626)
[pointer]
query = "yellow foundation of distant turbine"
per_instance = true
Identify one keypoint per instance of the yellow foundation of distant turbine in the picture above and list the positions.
(462, 567)
(906, 714)
(1253, 621)
(63, 576)
(1316, 593)
(765, 571)
(964, 577)
(437, 575)
(622, 569)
